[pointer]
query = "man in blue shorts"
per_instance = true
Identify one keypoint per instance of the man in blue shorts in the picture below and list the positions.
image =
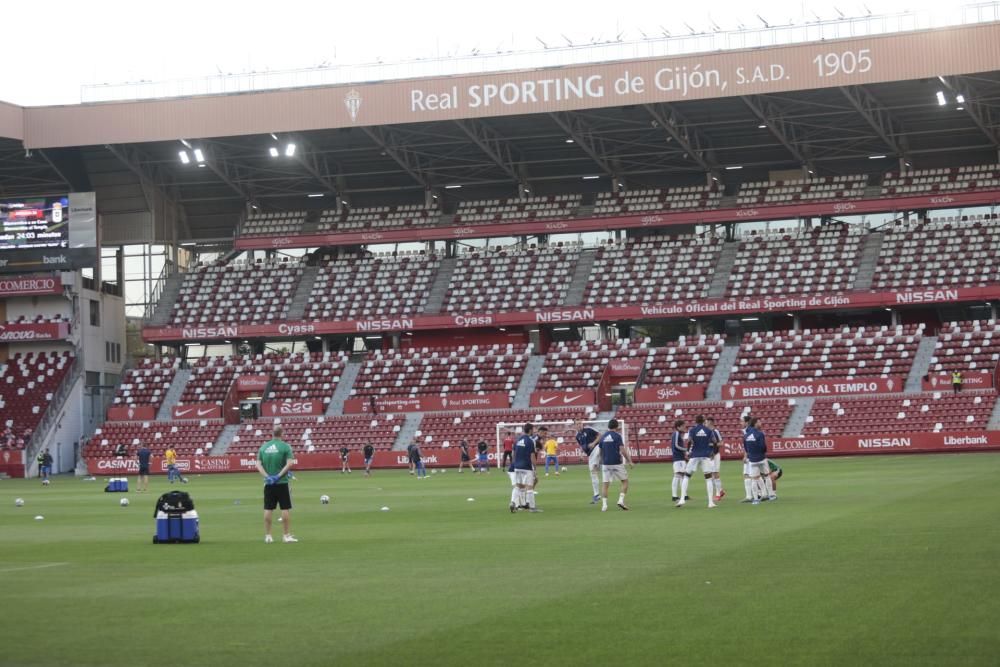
(369, 453)
(143, 455)
(482, 454)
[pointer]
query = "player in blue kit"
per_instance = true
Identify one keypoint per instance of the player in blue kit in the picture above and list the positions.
(755, 446)
(523, 467)
(679, 454)
(586, 437)
(614, 456)
(720, 492)
(747, 484)
(700, 456)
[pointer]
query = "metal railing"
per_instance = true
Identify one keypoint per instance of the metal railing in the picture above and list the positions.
(512, 58)
(54, 407)
(168, 270)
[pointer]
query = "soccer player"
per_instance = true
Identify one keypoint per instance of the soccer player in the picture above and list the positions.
(614, 456)
(418, 462)
(775, 473)
(700, 457)
(464, 447)
(142, 485)
(508, 449)
(679, 454)
(344, 465)
(409, 455)
(483, 457)
(523, 467)
(274, 459)
(551, 447)
(720, 492)
(755, 446)
(170, 456)
(587, 437)
(747, 484)
(45, 465)
(369, 453)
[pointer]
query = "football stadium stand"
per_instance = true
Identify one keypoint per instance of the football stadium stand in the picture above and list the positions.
(451, 428)
(515, 210)
(186, 437)
(935, 412)
(580, 364)
(27, 384)
(378, 218)
(657, 200)
(653, 423)
(967, 347)
(946, 180)
(760, 193)
(355, 287)
(147, 383)
(249, 293)
(320, 434)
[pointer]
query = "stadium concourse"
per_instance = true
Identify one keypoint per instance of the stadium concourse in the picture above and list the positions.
(806, 234)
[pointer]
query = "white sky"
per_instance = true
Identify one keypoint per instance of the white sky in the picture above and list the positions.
(73, 43)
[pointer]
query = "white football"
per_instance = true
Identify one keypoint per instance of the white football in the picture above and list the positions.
(123, 502)
(45, 482)
(39, 518)
(385, 509)
(564, 469)
(325, 499)
(19, 502)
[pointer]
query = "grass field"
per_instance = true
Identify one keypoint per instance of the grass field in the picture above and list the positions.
(873, 560)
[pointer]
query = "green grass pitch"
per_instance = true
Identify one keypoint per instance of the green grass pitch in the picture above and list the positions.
(864, 560)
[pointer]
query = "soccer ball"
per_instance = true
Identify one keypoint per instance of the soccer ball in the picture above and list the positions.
(19, 502)
(123, 502)
(324, 499)
(564, 469)
(45, 482)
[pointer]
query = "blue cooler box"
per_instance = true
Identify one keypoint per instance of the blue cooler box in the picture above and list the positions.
(117, 485)
(177, 528)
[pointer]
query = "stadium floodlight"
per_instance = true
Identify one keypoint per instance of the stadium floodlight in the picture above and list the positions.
(569, 140)
(289, 150)
(186, 143)
(959, 108)
(560, 328)
(313, 195)
(940, 98)
(762, 126)
(734, 166)
(749, 319)
(876, 157)
(199, 156)
(960, 99)
(590, 178)
(452, 187)
(184, 157)
(273, 151)
(274, 136)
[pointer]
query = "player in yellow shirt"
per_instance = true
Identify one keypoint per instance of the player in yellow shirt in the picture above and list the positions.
(170, 458)
(551, 447)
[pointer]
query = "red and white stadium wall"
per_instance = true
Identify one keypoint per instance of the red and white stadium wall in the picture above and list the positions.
(460, 337)
(438, 457)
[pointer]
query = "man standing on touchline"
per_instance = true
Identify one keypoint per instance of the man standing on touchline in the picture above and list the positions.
(274, 459)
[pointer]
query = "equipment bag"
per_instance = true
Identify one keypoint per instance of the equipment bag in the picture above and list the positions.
(174, 502)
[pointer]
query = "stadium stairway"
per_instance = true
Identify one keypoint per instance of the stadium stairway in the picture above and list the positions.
(868, 261)
(300, 300)
(343, 390)
(408, 431)
(529, 379)
(581, 277)
(723, 369)
(921, 364)
(225, 439)
(994, 423)
(717, 288)
(168, 296)
(439, 288)
(797, 420)
(166, 411)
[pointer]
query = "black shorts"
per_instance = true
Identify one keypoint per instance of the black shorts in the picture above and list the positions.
(276, 495)
(143, 470)
(465, 457)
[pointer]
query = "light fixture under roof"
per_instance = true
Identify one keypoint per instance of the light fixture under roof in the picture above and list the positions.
(273, 150)
(289, 150)
(184, 157)
(734, 166)
(876, 157)
(940, 98)
(314, 194)
(762, 126)
(749, 319)
(590, 178)
(198, 155)
(570, 141)
(452, 187)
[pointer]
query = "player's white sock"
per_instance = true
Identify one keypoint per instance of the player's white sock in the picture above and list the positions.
(674, 485)
(523, 497)
(717, 483)
(748, 486)
(768, 486)
(604, 503)
(595, 481)
(514, 495)
(710, 485)
(621, 498)
(758, 487)
(531, 499)
(684, 487)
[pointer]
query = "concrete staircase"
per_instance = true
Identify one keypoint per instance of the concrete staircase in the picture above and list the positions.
(529, 379)
(225, 439)
(921, 364)
(407, 432)
(166, 411)
(720, 279)
(797, 420)
(994, 423)
(168, 296)
(439, 290)
(297, 306)
(343, 390)
(581, 276)
(868, 261)
(723, 369)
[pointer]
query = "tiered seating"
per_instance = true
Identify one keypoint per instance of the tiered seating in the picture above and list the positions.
(823, 259)
(952, 179)
(653, 423)
(943, 252)
(188, 437)
(690, 360)
(653, 269)
(255, 293)
(442, 371)
(147, 383)
(379, 218)
(299, 376)
(512, 279)
(968, 347)
(440, 428)
(801, 190)
(657, 200)
(27, 384)
(905, 413)
(320, 434)
(580, 364)
(529, 208)
(274, 223)
(827, 353)
(353, 287)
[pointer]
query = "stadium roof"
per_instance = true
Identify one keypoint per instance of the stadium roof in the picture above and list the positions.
(832, 124)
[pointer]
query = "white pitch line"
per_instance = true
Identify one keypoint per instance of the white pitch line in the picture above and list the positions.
(32, 567)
